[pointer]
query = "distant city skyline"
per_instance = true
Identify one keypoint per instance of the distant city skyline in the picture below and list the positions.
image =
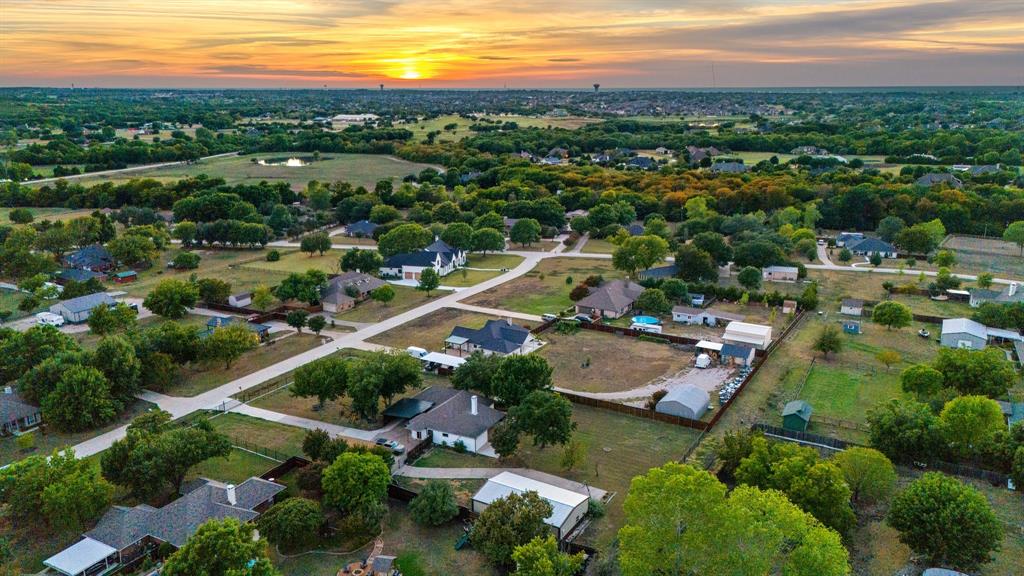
(526, 44)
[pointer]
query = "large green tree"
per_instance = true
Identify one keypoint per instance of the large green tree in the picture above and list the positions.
(695, 265)
(357, 484)
(435, 504)
(507, 523)
(525, 231)
(227, 343)
(519, 375)
(639, 253)
(949, 523)
(224, 547)
(870, 475)
(293, 523)
(171, 298)
(891, 314)
(969, 422)
(985, 372)
(541, 557)
(905, 430)
(325, 379)
(81, 400)
(545, 416)
(404, 238)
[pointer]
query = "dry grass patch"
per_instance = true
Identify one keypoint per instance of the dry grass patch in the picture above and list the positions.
(431, 330)
(544, 289)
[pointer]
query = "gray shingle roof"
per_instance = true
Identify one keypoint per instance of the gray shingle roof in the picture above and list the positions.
(424, 259)
(614, 295)
(361, 228)
(736, 351)
(496, 336)
(93, 257)
(364, 283)
(934, 178)
(453, 417)
(14, 407)
(87, 302)
(174, 523)
(871, 245)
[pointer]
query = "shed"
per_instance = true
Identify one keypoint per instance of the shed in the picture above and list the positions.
(737, 354)
(126, 277)
(851, 327)
(788, 306)
(796, 416)
(964, 333)
(568, 508)
(685, 401)
(852, 307)
(757, 335)
(77, 310)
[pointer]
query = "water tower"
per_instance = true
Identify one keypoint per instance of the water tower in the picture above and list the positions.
(596, 87)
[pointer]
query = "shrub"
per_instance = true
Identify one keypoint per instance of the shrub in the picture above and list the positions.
(655, 398)
(273, 256)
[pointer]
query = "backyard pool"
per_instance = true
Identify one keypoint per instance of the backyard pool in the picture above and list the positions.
(645, 320)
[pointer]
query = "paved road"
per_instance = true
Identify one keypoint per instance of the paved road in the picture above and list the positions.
(823, 254)
(123, 170)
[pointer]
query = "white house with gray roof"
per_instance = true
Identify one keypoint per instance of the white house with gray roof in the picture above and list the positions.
(500, 337)
(456, 416)
(125, 534)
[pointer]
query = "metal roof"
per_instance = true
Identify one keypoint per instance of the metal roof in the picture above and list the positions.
(407, 408)
(694, 398)
(76, 558)
(562, 501)
(799, 408)
(85, 303)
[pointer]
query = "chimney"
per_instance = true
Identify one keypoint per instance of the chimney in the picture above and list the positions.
(232, 498)
(1013, 288)
(472, 405)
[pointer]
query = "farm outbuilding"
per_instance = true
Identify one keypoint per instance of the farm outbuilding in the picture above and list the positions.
(684, 401)
(796, 416)
(568, 508)
(77, 310)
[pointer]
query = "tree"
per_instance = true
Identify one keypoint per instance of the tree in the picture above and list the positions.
(381, 375)
(105, 320)
(81, 400)
(507, 523)
(505, 438)
(20, 216)
(947, 522)
(319, 242)
(171, 298)
(680, 520)
(519, 375)
(228, 343)
(905, 430)
(890, 227)
(574, 454)
(1015, 233)
(262, 297)
(477, 373)
(57, 240)
(695, 265)
(676, 290)
(325, 378)
(383, 294)
(304, 287)
(366, 261)
(639, 253)
(921, 380)
(845, 255)
(653, 301)
(749, 278)
(403, 238)
(1017, 468)
(870, 475)
(132, 250)
(357, 484)
(541, 557)
(429, 281)
(292, 523)
(985, 280)
(916, 240)
(435, 504)
(579, 292)
(828, 340)
(66, 491)
(891, 314)
(186, 261)
(186, 232)
(888, 357)
(115, 358)
(525, 231)
(985, 372)
(546, 416)
(945, 259)
(875, 259)
(213, 290)
(297, 319)
(316, 324)
(458, 235)
(488, 240)
(714, 244)
(970, 421)
(221, 548)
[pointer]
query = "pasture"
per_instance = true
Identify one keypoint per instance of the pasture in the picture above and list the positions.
(545, 288)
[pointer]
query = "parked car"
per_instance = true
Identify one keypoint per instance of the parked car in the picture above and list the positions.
(49, 319)
(549, 317)
(703, 361)
(583, 318)
(652, 328)
(394, 446)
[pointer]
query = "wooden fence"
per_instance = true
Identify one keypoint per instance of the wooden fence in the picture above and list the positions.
(285, 467)
(635, 411)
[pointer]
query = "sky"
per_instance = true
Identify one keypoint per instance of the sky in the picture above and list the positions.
(510, 43)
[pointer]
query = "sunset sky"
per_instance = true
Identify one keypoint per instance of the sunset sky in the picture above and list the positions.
(514, 43)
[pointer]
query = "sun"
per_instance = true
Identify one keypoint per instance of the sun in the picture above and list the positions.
(411, 74)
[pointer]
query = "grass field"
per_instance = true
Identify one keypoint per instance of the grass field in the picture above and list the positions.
(992, 254)
(53, 214)
(431, 330)
(618, 447)
(616, 363)
(421, 128)
(262, 433)
(238, 467)
(227, 265)
(296, 261)
(357, 169)
(544, 289)
(542, 246)
(406, 298)
(10, 299)
(596, 246)
(493, 261)
(465, 277)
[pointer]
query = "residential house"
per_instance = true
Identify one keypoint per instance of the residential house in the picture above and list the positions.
(262, 331)
(845, 238)
(808, 151)
(936, 178)
(16, 414)
(559, 152)
(687, 401)
(345, 290)
(610, 300)
(780, 274)
(728, 168)
(966, 333)
(77, 275)
(697, 154)
(77, 310)
(756, 335)
(1011, 294)
(456, 416)
(662, 150)
(95, 258)
(500, 337)
(985, 170)
(409, 265)
(871, 246)
(642, 163)
(124, 535)
(852, 307)
(703, 316)
(552, 160)
(568, 508)
(361, 229)
(240, 300)
(796, 415)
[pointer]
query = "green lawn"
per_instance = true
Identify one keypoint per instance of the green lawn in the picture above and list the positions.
(10, 299)
(296, 261)
(544, 289)
(493, 261)
(406, 298)
(357, 169)
(255, 434)
(53, 214)
(228, 265)
(203, 377)
(619, 447)
(431, 330)
(598, 246)
(423, 127)
(238, 467)
(465, 277)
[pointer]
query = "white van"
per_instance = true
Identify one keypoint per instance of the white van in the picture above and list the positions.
(416, 351)
(49, 319)
(652, 328)
(703, 361)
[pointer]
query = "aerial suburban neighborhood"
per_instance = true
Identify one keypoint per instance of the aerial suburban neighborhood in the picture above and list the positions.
(308, 318)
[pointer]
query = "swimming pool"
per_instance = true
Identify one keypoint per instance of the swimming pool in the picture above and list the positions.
(645, 320)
